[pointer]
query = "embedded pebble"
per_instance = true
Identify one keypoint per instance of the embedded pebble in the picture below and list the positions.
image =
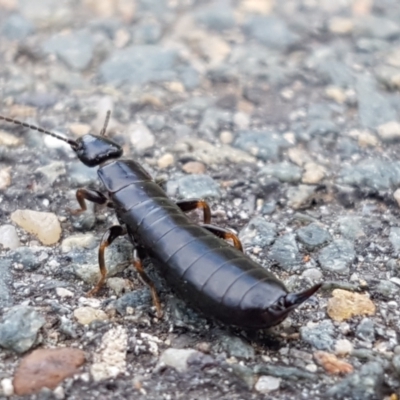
(396, 196)
(319, 335)
(284, 171)
(198, 186)
(7, 387)
(263, 145)
(312, 273)
(141, 137)
(343, 347)
(177, 358)
(19, 328)
(300, 196)
(79, 175)
(194, 167)
(85, 263)
(266, 384)
(74, 48)
(165, 161)
(375, 174)
(285, 252)
(337, 256)
(313, 173)
(394, 238)
(110, 357)
(331, 364)
(46, 368)
(86, 315)
(79, 241)
(29, 257)
(45, 226)
(236, 347)
(351, 227)
(313, 236)
(366, 330)
(5, 178)
(9, 238)
(389, 132)
(53, 171)
(387, 289)
(344, 305)
(258, 232)
(134, 299)
(118, 285)
(78, 129)
(62, 292)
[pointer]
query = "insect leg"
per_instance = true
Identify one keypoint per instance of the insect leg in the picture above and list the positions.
(109, 236)
(139, 267)
(90, 195)
(193, 204)
(224, 234)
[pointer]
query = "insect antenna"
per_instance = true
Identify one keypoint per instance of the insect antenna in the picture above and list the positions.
(71, 142)
(107, 120)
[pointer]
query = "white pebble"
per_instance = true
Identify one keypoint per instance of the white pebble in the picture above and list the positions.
(7, 386)
(266, 384)
(59, 393)
(8, 237)
(343, 347)
(62, 292)
(141, 137)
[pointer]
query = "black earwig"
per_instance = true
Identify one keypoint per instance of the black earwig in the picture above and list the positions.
(210, 274)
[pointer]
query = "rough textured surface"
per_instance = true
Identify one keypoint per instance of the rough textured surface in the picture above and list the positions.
(284, 115)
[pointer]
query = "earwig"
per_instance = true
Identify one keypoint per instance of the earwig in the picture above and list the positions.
(198, 263)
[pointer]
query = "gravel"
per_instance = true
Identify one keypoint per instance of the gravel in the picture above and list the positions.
(284, 117)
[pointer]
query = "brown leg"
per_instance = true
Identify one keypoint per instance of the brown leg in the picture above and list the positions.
(139, 267)
(90, 195)
(193, 204)
(109, 236)
(224, 234)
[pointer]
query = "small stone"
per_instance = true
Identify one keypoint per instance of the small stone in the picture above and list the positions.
(42, 224)
(257, 6)
(198, 186)
(266, 384)
(7, 387)
(177, 358)
(343, 347)
(132, 300)
(340, 25)
(141, 137)
(366, 330)
(46, 368)
(300, 197)
(86, 315)
(62, 292)
(236, 347)
(5, 178)
(313, 236)
(59, 393)
(110, 358)
(226, 137)
(194, 167)
(313, 173)
(79, 129)
(8, 237)
(367, 139)
(387, 288)
(396, 196)
(118, 285)
(319, 335)
(351, 227)
(53, 171)
(19, 328)
(258, 232)
(390, 131)
(79, 241)
(165, 161)
(286, 253)
(337, 256)
(344, 305)
(312, 273)
(16, 27)
(331, 364)
(74, 48)
(8, 140)
(284, 171)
